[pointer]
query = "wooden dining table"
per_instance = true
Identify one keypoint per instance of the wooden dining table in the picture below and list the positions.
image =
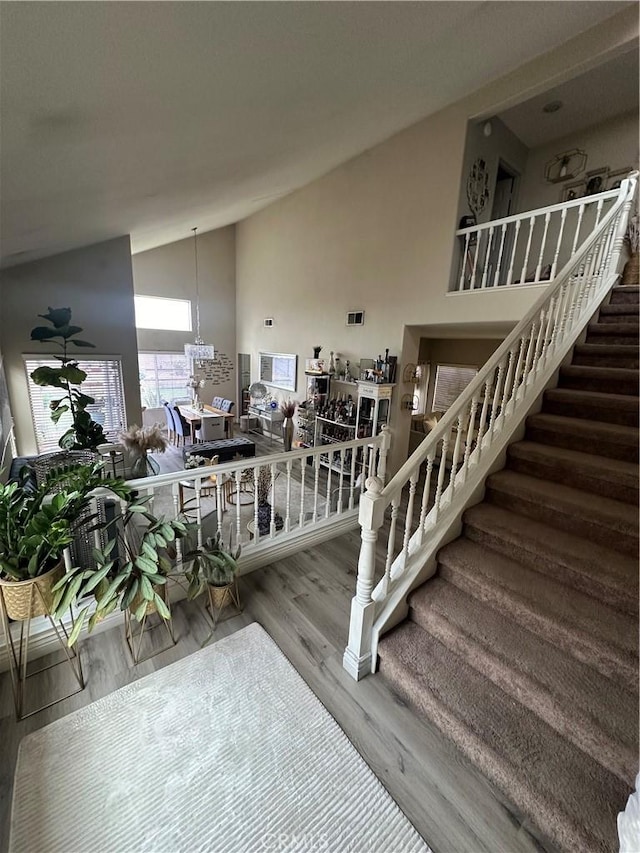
(194, 417)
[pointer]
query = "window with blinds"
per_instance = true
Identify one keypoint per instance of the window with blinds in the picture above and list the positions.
(103, 383)
(451, 380)
(163, 376)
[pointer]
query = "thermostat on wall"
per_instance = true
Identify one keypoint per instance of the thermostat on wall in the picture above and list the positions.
(267, 322)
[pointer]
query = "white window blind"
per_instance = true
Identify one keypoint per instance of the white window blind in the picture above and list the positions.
(103, 383)
(163, 376)
(451, 380)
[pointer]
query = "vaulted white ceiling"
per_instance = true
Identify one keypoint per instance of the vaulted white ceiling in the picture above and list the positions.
(149, 118)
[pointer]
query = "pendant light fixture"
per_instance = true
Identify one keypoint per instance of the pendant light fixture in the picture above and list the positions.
(198, 351)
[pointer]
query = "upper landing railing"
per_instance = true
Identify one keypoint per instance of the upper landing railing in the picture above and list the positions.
(527, 248)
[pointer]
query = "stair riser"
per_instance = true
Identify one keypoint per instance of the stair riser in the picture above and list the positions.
(591, 412)
(605, 385)
(576, 477)
(596, 444)
(625, 297)
(606, 360)
(622, 340)
(581, 646)
(627, 316)
(621, 599)
(576, 727)
(563, 518)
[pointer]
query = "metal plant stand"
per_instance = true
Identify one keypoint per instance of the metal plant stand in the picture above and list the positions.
(135, 635)
(18, 653)
(220, 597)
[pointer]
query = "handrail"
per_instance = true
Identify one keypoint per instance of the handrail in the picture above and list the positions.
(552, 208)
(458, 454)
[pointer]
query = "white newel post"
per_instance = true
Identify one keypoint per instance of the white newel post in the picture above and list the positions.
(357, 655)
(385, 444)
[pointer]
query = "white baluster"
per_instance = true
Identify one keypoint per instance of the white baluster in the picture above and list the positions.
(506, 393)
(542, 246)
(316, 487)
(303, 465)
(328, 500)
(256, 529)
(472, 284)
(408, 521)
(465, 255)
(527, 363)
(236, 476)
(341, 482)
(554, 265)
(272, 525)
(287, 520)
(499, 264)
(523, 274)
(456, 455)
(598, 212)
(385, 443)
(496, 397)
(470, 432)
(578, 226)
(513, 251)
(517, 378)
(395, 507)
(424, 506)
(176, 512)
(441, 473)
(352, 483)
(483, 284)
(488, 388)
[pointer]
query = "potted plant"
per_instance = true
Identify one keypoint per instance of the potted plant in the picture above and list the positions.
(130, 572)
(265, 481)
(37, 523)
(84, 432)
(214, 568)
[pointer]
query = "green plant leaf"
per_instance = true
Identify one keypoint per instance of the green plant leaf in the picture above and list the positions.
(80, 343)
(48, 376)
(130, 594)
(58, 316)
(69, 597)
(93, 582)
(115, 584)
(77, 626)
(146, 565)
(140, 612)
(145, 588)
(163, 610)
(72, 374)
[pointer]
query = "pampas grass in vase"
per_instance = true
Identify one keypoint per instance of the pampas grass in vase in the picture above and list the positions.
(138, 441)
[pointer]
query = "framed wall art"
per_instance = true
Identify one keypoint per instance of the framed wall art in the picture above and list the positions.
(614, 179)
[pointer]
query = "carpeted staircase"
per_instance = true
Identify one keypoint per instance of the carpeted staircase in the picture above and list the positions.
(524, 647)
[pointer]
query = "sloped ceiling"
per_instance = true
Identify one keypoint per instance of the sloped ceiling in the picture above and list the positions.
(149, 118)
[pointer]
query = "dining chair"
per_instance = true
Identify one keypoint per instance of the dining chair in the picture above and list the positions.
(210, 429)
(182, 426)
(171, 426)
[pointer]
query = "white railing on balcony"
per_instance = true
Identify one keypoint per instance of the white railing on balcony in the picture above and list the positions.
(527, 248)
(421, 506)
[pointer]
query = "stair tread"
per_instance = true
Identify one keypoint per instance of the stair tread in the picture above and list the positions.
(617, 471)
(579, 617)
(628, 329)
(607, 349)
(609, 568)
(584, 428)
(620, 517)
(620, 308)
(600, 372)
(566, 792)
(582, 704)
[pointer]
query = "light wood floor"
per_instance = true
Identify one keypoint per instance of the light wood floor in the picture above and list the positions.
(303, 603)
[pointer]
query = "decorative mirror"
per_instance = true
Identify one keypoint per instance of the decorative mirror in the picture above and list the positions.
(478, 187)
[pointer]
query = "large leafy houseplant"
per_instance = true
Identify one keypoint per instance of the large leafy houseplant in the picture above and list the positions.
(129, 571)
(212, 565)
(84, 432)
(37, 522)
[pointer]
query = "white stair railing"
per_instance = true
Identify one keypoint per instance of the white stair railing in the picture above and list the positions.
(530, 247)
(447, 471)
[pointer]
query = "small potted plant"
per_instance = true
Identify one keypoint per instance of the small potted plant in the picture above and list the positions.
(288, 409)
(214, 568)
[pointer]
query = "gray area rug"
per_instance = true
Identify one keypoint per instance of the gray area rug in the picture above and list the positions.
(227, 750)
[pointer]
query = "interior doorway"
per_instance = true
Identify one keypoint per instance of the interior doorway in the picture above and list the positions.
(504, 204)
(244, 380)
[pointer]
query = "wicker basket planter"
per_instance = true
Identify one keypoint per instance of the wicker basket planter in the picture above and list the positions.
(28, 599)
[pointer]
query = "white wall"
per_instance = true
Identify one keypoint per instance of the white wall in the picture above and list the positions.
(169, 271)
(613, 144)
(96, 283)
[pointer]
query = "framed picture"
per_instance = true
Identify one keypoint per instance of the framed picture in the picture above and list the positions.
(596, 181)
(615, 178)
(571, 191)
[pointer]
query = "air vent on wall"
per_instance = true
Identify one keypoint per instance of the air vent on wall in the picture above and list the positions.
(355, 318)
(267, 322)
